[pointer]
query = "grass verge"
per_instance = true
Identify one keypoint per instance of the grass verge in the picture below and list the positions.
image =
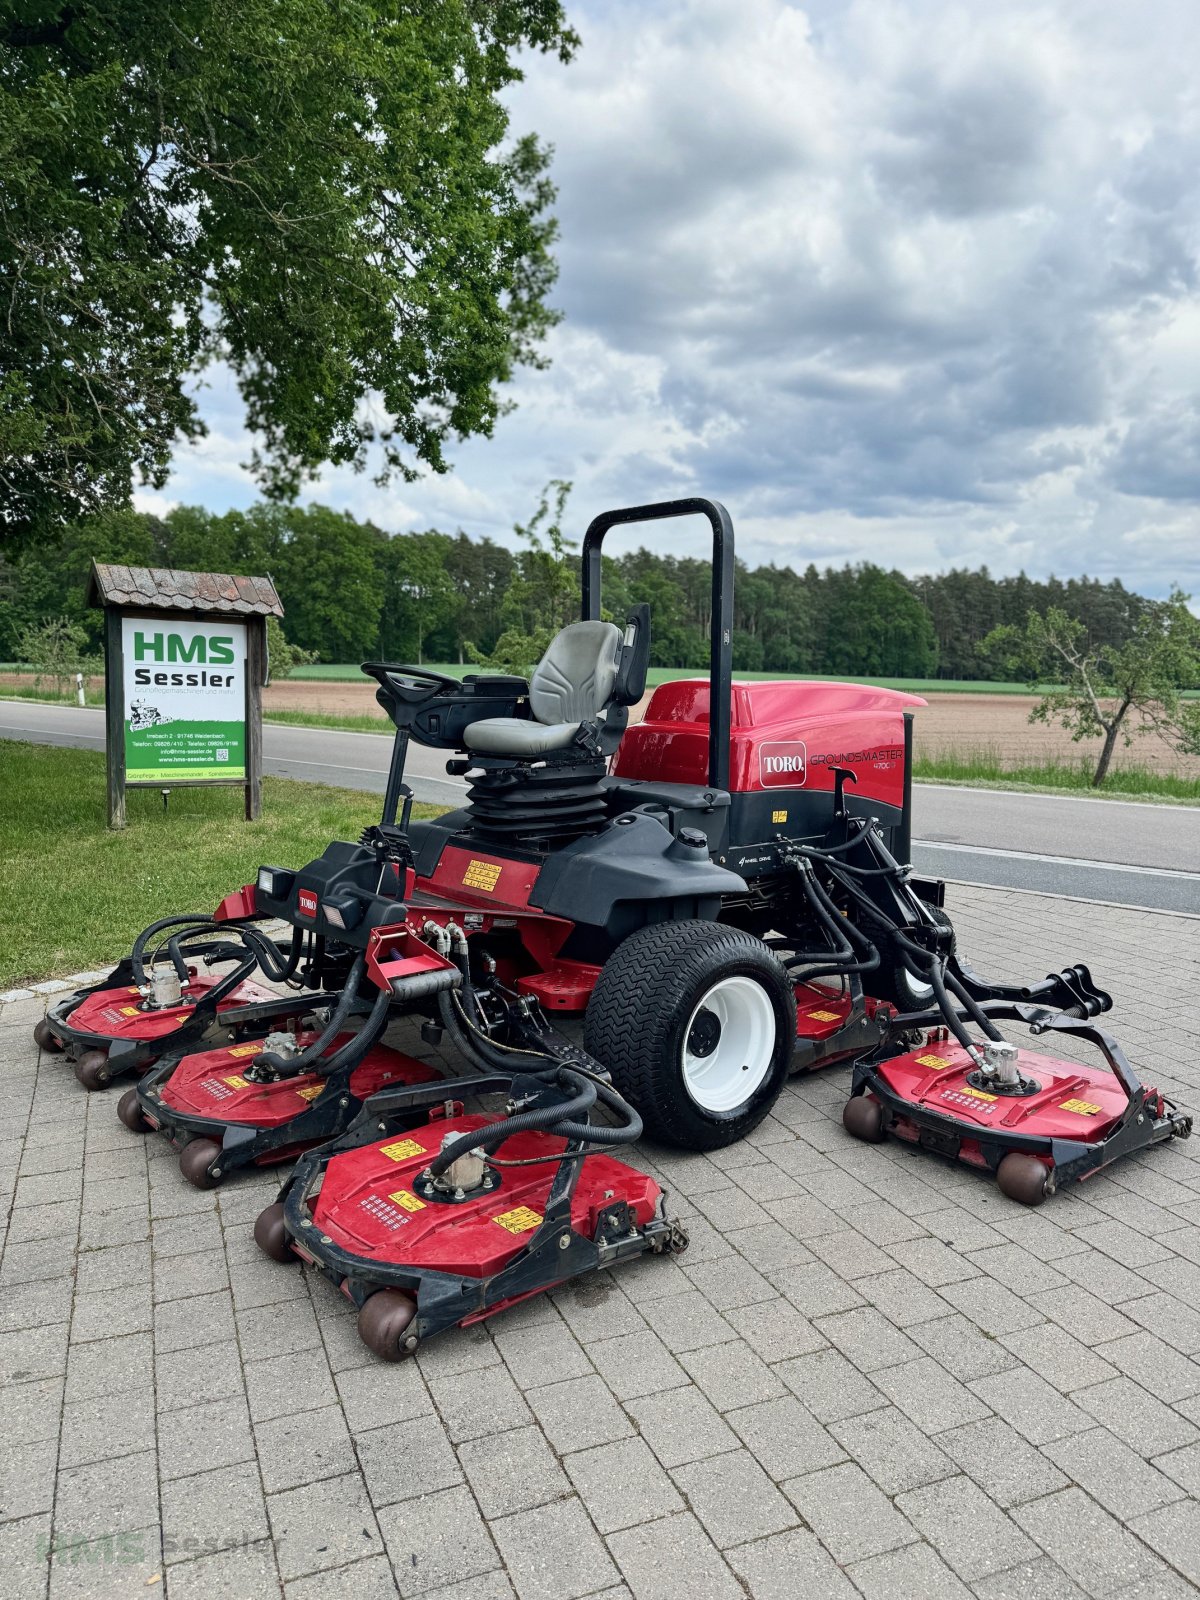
(1054, 775)
(73, 893)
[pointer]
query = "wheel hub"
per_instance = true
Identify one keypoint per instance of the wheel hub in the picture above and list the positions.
(705, 1034)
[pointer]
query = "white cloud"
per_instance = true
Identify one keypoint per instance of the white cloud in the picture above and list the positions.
(911, 281)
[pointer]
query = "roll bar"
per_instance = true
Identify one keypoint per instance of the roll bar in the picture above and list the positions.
(720, 672)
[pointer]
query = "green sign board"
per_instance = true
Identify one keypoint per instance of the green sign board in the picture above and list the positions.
(185, 700)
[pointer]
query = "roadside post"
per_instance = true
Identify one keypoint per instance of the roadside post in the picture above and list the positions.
(185, 660)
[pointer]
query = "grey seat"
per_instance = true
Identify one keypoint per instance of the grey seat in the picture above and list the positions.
(572, 684)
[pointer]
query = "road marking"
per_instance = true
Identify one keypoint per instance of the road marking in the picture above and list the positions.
(1058, 861)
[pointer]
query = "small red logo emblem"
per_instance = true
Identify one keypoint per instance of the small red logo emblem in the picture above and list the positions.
(782, 765)
(306, 903)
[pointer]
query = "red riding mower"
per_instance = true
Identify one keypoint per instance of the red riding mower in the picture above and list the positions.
(718, 894)
(159, 999)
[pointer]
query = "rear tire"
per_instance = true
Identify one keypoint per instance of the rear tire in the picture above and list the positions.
(862, 1116)
(383, 1323)
(902, 987)
(696, 1021)
(271, 1235)
(129, 1109)
(93, 1071)
(45, 1038)
(194, 1161)
(1023, 1178)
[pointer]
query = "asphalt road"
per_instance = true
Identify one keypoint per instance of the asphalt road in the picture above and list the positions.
(1108, 850)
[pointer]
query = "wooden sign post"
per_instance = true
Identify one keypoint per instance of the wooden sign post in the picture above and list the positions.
(185, 661)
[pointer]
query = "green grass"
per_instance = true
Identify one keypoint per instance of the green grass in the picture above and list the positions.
(73, 893)
(95, 695)
(983, 767)
(347, 721)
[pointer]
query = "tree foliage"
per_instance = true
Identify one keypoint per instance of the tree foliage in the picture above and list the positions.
(319, 192)
(1112, 692)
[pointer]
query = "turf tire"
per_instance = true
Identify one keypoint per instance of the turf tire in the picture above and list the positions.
(642, 1005)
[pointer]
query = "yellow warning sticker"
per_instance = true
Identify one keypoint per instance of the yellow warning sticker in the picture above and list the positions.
(402, 1149)
(311, 1092)
(936, 1062)
(522, 1220)
(779, 816)
(129, 1011)
(407, 1201)
(1084, 1108)
(244, 1050)
(482, 875)
(825, 1016)
(976, 1094)
(237, 1083)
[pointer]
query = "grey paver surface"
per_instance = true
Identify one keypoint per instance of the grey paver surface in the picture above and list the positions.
(871, 1374)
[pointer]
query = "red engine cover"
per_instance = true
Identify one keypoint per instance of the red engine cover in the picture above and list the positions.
(116, 1013)
(785, 734)
(210, 1083)
(367, 1204)
(1074, 1102)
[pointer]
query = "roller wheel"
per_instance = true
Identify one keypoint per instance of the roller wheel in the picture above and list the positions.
(93, 1071)
(270, 1234)
(1023, 1178)
(863, 1117)
(194, 1161)
(383, 1323)
(130, 1112)
(45, 1038)
(696, 1021)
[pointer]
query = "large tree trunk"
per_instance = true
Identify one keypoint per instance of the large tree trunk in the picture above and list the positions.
(1110, 744)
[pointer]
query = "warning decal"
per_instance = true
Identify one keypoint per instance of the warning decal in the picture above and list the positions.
(1083, 1108)
(237, 1083)
(935, 1062)
(244, 1049)
(483, 875)
(311, 1092)
(407, 1201)
(402, 1149)
(522, 1220)
(825, 1016)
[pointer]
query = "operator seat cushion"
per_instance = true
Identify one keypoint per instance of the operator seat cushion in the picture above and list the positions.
(571, 684)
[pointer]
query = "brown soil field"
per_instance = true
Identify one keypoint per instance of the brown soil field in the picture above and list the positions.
(963, 724)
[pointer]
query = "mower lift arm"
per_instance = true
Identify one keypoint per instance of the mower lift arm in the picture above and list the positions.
(1073, 990)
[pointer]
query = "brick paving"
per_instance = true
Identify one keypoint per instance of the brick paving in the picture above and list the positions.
(870, 1375)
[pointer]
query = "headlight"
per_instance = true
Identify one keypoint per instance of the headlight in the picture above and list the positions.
(275, 882)
(343, 913)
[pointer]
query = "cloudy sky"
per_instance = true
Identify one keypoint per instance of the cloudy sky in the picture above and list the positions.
(899, 280)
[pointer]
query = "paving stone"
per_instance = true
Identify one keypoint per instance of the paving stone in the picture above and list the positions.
(1084, 1315)
(970, 1532)
(673, 1559)
(192, 1377)
(1124, 1244)
(849, 1514)
(97, 1499)
(1161, 1314)
(688, 1321)
(933, 1261)
(788, 1565)
(776, 1331)
(961, 1347)
(622, 1484)
(1174, 1532)
(829, 1386)
(895, 1453)
(1036, 1410)
(913, 1570)
(1032, 1580)
(850, 1255)
(111, 1313)
(578, 1413)
(815, 1290)
(382, 1393)
(596, 1307)
(1088, 1544)
(901, 1297)
(24, 1544)
(1155, 1365)
(303, 1447)
(785, 1438)
(546, 1353)
(209, 1507)
(472, 1404)
(729, 1282)
(1113, 1474)
(215, 1434)
(770, 1246)
(107, 1426)
(733, 1499)
(371, 1579)
(183, 1324)
(27, 1478)
(928, 1395)
(124, 1265)
(992, 1307)
(33, 1305)
(867, 1339)
(1006, 1466)
(512, 1471)
(406, 1462)
(329, 1523)
(1014, 1267)
(33, 1411)
(553, 1553)
(681, 1425)
(731, 1375)
(110, 1568)
(636, 1364)
(1059, 1357)
(1136, 1416)
(283, 1384)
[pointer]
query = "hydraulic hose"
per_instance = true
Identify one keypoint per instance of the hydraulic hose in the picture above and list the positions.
(293, 1066)
(137, 954)
(553, 1118)
(841, 930)
(357, 1046)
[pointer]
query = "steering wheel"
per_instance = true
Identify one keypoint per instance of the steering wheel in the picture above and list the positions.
(409, 683)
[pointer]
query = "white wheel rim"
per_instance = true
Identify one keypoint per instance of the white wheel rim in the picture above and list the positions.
(725, 1075)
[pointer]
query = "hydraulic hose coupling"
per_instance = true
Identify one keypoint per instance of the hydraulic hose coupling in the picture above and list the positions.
(165, 989)
(457, 938)
(434, 934)
(1000, 1062)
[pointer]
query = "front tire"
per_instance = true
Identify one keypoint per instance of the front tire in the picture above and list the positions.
(696, 1021)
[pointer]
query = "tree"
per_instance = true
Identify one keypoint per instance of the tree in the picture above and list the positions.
(283, 657)
(318, 192)
(418, 594)
(326, 575)
(56, 649)
(1112, 692)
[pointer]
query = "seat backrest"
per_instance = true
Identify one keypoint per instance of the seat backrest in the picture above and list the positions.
(574, 679)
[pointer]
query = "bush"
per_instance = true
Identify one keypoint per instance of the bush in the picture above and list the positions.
(284, 658)
(57, 649)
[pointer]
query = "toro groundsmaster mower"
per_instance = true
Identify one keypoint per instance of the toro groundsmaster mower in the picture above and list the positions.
(719, 895)
(165, 996)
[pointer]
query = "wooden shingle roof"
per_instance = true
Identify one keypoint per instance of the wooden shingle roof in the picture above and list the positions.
(161, 588)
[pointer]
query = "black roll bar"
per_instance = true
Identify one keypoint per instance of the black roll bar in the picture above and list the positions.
(720, 672)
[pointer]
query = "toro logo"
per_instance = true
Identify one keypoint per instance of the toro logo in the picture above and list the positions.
(306, 903)
(783, 764)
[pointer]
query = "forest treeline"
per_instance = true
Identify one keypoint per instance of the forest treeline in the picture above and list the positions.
(352, 591)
